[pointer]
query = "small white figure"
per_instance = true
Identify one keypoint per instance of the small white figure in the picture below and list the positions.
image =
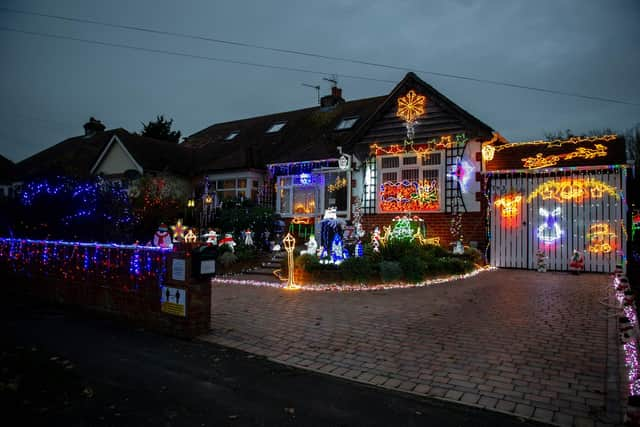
(312, 246)
(458, 249)
(248, 240)
(212, 237)
(375, 239)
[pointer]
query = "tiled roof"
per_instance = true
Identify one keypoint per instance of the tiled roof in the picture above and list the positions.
(309, 134)
(76, 156)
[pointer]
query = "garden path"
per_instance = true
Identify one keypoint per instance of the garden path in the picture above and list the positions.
(527, 343)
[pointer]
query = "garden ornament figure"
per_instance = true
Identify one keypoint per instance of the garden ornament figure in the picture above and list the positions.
(312, 246)
(162, 238)
(248, 239)
(211, 236)
(577, 262)
(228, 240)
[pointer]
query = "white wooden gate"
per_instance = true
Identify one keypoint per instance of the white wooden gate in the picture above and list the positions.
(557, 212)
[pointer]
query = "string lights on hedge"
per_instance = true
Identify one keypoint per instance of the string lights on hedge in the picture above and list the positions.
(124, 266)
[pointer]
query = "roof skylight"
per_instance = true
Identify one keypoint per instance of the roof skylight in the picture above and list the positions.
(347, 123)
(276, 127)
(232, 135)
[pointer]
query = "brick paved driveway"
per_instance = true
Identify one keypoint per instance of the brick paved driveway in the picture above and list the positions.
(527, 343)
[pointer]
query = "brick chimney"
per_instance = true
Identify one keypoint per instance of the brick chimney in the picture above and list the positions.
(334, 99)
(93, 126)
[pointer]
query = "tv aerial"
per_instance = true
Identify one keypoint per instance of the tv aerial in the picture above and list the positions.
(316, 87)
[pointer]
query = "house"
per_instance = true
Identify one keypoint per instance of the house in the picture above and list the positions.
(361, 154)
(8, 177)
(551, 198)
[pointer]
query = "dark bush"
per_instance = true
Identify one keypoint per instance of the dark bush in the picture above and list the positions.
(245, 252)
(390, 271)
(414, 268)
(307, 262)
(357, 269)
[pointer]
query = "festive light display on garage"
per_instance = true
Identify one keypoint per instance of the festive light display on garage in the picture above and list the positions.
(461, 172)
(409, 196)
(549, 230)
(541, 161)
(443, 143)
(601, 239)
(573, 189)
(509, 205)
(488, 153)
(125, 266)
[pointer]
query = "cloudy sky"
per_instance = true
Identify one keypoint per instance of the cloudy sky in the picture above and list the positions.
(51, 86)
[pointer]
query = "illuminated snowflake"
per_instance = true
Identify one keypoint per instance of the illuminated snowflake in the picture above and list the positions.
(411, 106)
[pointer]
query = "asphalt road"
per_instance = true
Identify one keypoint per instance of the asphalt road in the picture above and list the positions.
(73, 369)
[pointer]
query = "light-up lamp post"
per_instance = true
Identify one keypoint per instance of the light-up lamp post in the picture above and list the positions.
(289, 243)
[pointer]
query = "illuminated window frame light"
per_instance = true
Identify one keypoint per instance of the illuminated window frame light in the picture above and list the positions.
(409, 196)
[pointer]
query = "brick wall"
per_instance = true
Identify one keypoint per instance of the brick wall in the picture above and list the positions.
(438, 225)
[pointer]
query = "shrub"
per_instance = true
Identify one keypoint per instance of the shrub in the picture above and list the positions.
(413, 268)
(455, 265)
(390, 271)
(396, 249)
(473, 255)
(227, 259)
(245, 252)
(357, 269)
(307, 262)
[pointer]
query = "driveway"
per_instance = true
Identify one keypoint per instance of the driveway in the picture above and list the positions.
(527, 343)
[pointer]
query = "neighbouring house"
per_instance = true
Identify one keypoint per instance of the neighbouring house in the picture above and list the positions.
(356, 154)
(8, 177)
(551, 198)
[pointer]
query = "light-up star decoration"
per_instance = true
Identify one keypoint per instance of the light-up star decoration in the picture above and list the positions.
(549, 231)
(178, 231)
(461, 172)
(410, 107)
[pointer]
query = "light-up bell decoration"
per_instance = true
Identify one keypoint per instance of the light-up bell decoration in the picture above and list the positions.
(289, 243)
(549, 231)
(461, 172)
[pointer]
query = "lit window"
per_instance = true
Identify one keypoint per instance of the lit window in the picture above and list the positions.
(276, 127)
(347, 123)
(232, 135)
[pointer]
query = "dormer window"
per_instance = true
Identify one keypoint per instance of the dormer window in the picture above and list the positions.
(232, 135)
(347, 123)
(276, 127)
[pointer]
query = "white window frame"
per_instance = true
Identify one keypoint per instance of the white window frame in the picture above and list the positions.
(320, 190)
(250, 177)
(421, 168)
